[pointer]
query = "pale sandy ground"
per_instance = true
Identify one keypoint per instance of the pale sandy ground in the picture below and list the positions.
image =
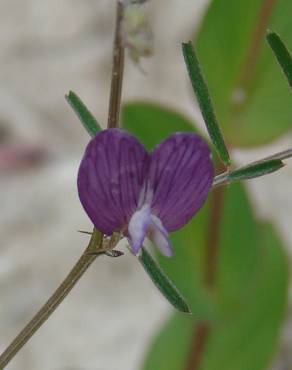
(47, 48)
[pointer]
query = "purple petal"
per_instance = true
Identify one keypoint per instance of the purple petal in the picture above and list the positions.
(159, 236)
(138, 227)
(180, 175)
(110, 179)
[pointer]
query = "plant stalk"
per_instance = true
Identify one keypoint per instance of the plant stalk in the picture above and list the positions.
(49, 307)
(94, 248)
(258, 36)
(223, 179)
(202, 329)
(117, 71)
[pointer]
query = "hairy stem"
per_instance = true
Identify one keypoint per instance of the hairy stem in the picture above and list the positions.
(95, 245)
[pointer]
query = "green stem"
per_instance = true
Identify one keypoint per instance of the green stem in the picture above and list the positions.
(224, 177)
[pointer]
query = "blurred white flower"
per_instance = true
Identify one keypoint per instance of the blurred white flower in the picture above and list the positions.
(136, 32)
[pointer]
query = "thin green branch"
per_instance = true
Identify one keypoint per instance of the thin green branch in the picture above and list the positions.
(255, 169)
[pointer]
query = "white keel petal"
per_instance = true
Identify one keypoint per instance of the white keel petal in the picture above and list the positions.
(160, 237)
(138, 227)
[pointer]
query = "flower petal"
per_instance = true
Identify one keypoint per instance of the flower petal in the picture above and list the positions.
(180, 175)
(111, 176)
(138, 227)
(159, 236)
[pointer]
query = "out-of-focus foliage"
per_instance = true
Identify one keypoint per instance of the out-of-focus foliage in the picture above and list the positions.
(253, 104)
(247, 305)
(152, 123)
(245, 335)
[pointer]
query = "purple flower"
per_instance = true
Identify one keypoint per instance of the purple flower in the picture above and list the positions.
(124, 188)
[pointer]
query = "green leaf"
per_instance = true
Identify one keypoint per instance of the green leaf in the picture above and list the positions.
(201, 90)
(251, 295)
(255, 170)
(282, 54)
(253, 327)
(251, 171)
(87, 119)
(162, 282)
(253, 103)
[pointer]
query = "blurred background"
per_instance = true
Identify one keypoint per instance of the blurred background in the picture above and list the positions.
(47, 49)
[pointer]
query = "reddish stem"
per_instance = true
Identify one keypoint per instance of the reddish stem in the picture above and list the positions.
(198, 346)
(256, 43)
(117, 71)
(213, 236)
(202, 329)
